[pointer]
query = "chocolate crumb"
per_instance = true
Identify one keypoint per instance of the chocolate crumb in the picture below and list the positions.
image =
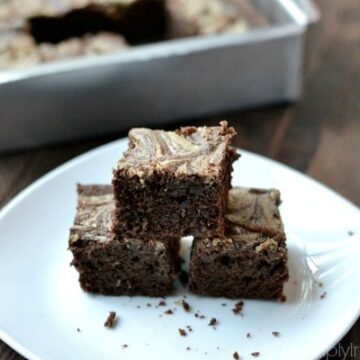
(282, 298)
(168, 312)
(236, 355)
(189, 328)
(199, 316)
(320, 284)
(188, 348)
(162, 303)
(213, 322)
(186, 306)
(110, 321)
(125, 346)
(78, 330)
(350, 233)
(238, 308)
(255, 354)
(218, 348)
(148, 305)
(224, 304)
(138, 307)
(322, 296)
(182, 332)
(248, 335)
(276, 333)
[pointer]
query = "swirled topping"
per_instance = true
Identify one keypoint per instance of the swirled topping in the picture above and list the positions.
(254, 210)
(207, 17)
(24, 9)
(189, 150)
(19, 50)
(93, 219)
(95, 211)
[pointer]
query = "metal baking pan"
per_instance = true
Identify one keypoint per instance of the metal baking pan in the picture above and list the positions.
(153, 84)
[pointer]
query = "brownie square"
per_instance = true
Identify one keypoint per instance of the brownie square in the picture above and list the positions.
(251, 260)
(174, 183)
(113, 265)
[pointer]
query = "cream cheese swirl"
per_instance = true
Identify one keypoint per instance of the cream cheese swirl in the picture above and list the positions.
(187, 151)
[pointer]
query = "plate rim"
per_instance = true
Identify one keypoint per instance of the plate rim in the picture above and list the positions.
(73, 162)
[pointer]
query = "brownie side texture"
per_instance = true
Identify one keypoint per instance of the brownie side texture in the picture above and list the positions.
(174, 183)
(87, 45)
(111, 265)
(251, 260)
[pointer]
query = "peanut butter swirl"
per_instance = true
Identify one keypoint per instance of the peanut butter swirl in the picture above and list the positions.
(94, 214)
(19, 49)
(187, 151)
(93, 221)
(11, 10)
(254, 210)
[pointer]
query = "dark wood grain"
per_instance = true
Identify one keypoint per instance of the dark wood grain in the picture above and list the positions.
(319, 136)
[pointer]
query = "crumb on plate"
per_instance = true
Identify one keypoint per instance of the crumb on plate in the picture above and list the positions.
(110, 320)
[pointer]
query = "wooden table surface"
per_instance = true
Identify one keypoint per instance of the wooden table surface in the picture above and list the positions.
(319, 136)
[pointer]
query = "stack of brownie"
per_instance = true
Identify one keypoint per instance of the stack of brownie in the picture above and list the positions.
(126, 238)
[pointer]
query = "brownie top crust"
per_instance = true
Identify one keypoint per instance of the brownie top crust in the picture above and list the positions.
(93, 218)
(19, 50)
(87, 45)
(208, 17)
(186, 151)
(23, 9)
(94, 215)
(254, 210)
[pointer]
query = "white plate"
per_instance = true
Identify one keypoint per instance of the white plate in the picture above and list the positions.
(42, 305)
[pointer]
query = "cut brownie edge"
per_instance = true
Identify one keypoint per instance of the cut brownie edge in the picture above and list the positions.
(112, 265)
(187, 151)
(127, 268)
(251, 260)
(164, 206)
(239, 273)
(174, 183)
